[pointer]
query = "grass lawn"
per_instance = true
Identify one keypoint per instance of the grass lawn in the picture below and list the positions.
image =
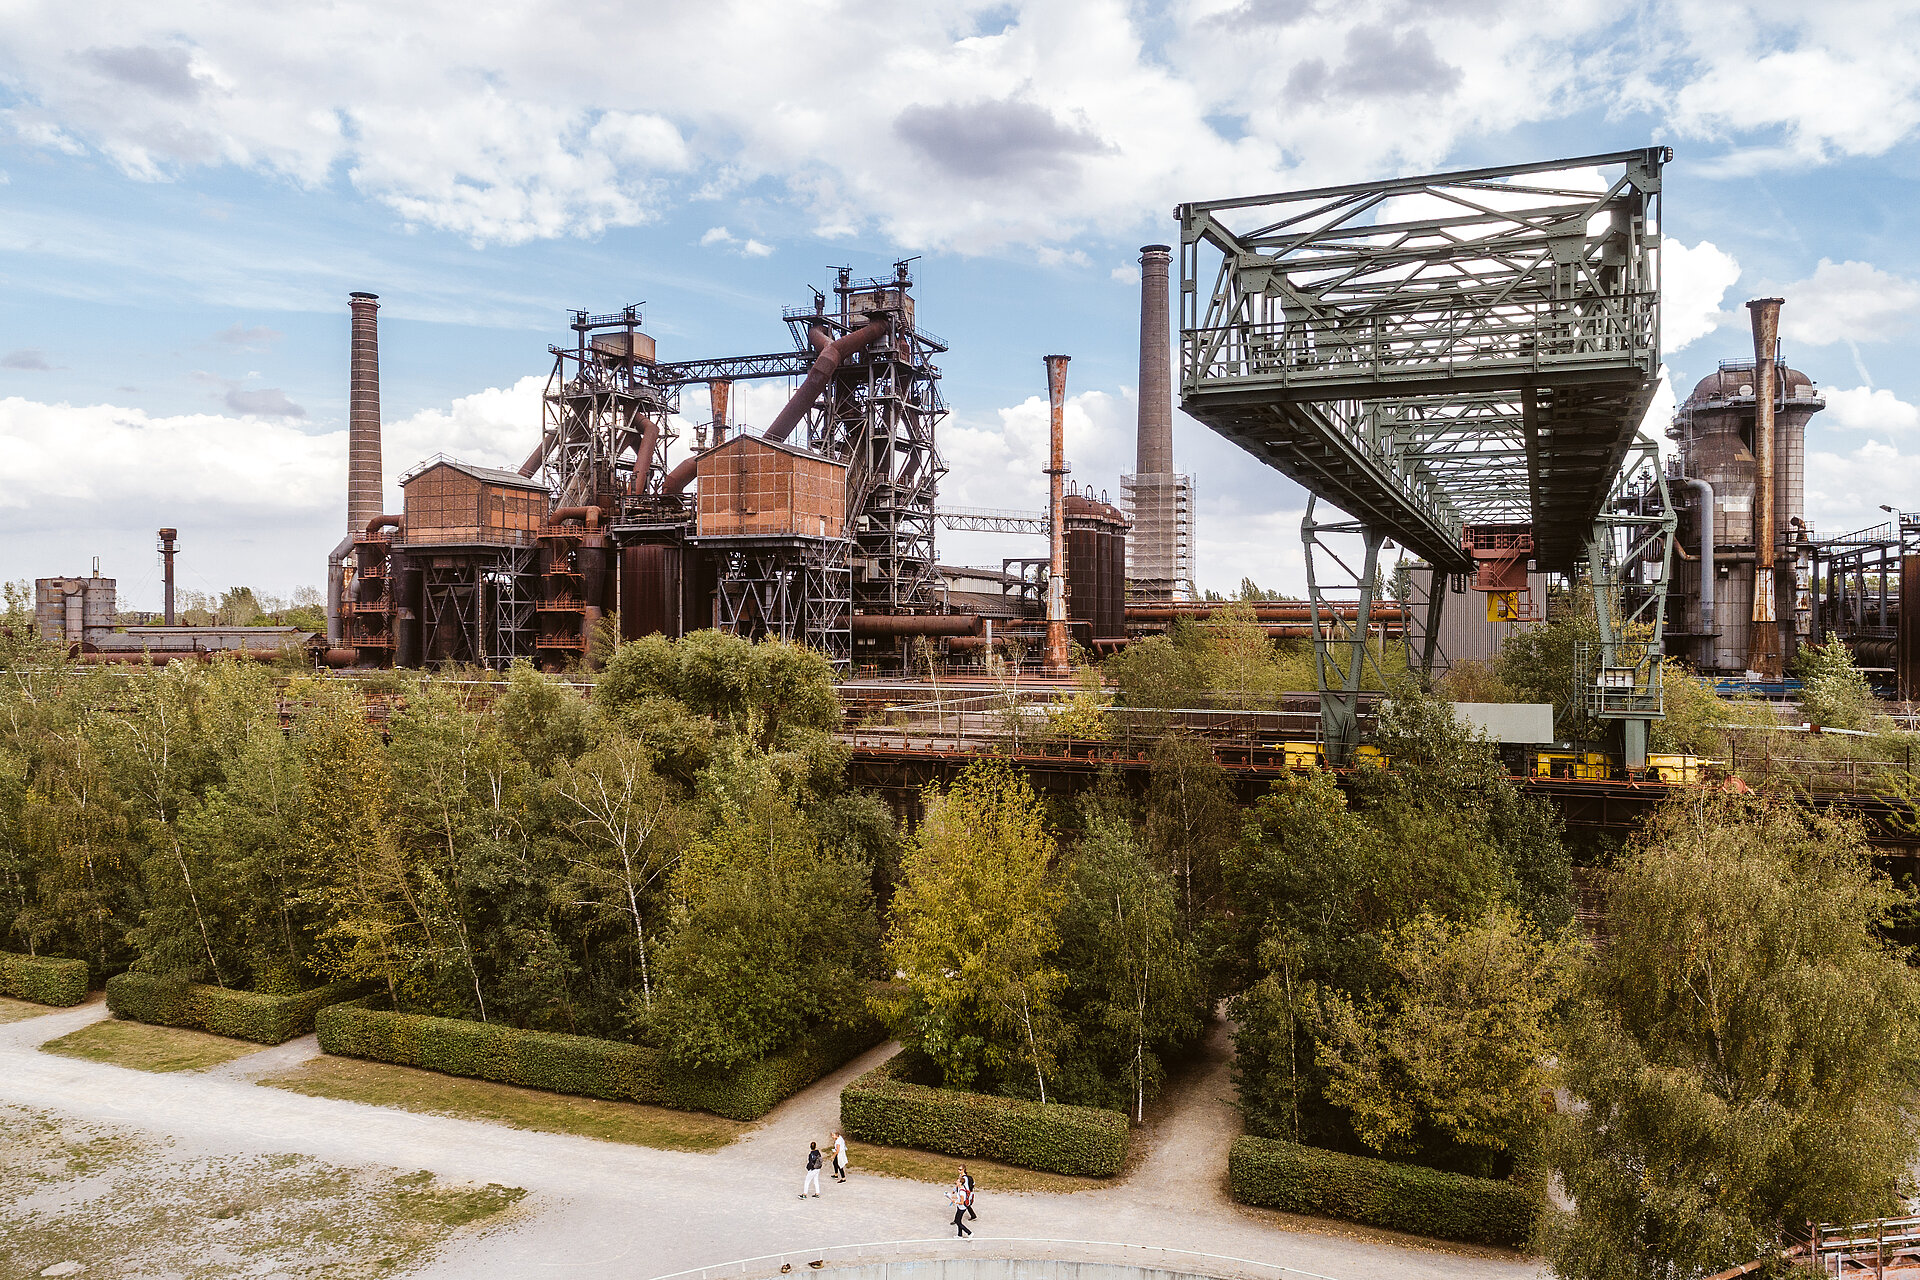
(381, 1084)
(989, 1176)
(149, 1048)
(123, 1205)
(16, 1010)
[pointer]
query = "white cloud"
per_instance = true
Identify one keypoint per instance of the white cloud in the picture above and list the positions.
(717, 235)
(1848, 302)
(746, 248)
(1069, 119)
(1692, 284)
(1845, 489)
(754, 249)
(1126, 275)
(1867, 409)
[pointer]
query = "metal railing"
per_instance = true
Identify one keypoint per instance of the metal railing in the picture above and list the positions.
(770, 1264)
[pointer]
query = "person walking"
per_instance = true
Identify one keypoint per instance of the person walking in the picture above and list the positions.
(957, 1197)
(812, 1185)
(839, 1156)
(966, 1180)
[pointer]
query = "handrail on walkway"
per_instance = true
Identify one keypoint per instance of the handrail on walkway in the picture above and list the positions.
(769, 1263)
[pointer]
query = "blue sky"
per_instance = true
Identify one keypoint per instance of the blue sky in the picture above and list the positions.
(191, 190)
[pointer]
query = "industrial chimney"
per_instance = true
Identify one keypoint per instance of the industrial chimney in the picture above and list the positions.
(365, 480)
(1763, 642)
(169, 547)
(1155, 444)
(1160, 502)
(1057, 664)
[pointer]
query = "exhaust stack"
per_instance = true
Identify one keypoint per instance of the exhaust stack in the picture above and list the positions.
(1763, 640)
(365, 479)
(1057, 517)
(1154, 445)
(168, 548)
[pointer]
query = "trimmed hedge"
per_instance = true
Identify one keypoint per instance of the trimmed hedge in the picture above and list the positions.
(584, 1065)
(1405, 1197)
(43, 979)
(1086, 1141)
(243, 1015)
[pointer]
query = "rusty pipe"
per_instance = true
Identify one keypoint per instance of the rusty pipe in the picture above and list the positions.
(903, 624)
(824, 364)
(719, 392)
(1763, 642)
(534, 459)
(1057, 514)
(682, 475)
(397, 523)
(643, 455)
(336, 586)
(1264, 611)
(590, 516)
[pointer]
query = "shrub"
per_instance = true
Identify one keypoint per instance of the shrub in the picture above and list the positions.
(43, 979)
(243, 1015)
(1086, 1141)
(1404, 1197)
(583, 1065)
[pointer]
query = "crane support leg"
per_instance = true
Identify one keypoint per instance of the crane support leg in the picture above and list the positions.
(1340, 651)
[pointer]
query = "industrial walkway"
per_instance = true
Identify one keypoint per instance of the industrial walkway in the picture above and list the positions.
(607, 1210)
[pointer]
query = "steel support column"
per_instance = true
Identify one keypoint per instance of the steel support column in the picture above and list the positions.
(1339, 680)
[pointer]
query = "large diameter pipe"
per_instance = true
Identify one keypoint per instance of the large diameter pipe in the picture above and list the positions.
(1263, 611)
(824, 364)
(589, 516)
(1154, 445)
(364, 475)
(891, 625)
(1763, 639)
(336, 584)
(1703, 494)
(1057, 515)
(719, 392)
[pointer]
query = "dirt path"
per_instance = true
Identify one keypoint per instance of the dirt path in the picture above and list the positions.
(1186, 1149)
(601, 1209)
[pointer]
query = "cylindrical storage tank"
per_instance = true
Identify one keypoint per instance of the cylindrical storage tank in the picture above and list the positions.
(101, 605)
(1096, 566)
(408, 588)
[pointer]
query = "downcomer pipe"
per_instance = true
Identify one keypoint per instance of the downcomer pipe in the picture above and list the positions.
(1704, 495)
(336, 579)
(1763, 640)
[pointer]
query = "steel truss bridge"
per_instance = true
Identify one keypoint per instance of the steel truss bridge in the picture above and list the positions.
(1432, 355)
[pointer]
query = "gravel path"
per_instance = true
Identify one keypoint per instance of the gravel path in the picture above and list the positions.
(604, 1209)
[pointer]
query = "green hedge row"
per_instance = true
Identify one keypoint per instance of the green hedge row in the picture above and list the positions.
(1087, 1141)
(43, 979)
(583, 1065)
(1405, 1197)
(169, 1002)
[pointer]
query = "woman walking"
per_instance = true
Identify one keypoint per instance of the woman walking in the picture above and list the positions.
(957, 1197)
(812, 1185)
(839, 1156)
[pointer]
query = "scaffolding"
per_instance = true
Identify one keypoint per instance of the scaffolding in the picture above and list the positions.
(1160, 545)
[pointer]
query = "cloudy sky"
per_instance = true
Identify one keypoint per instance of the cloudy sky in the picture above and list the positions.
(189, 189)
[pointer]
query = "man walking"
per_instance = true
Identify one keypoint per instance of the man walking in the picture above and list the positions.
(957, 1197)
(839, 1156)
(966, 1180)
(812, 1185)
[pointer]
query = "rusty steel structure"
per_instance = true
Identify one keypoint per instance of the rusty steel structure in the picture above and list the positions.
(1056, 515)
(1431, 354)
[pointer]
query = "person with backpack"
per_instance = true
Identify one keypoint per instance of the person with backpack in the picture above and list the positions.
(966, 1180)
(957, 1196)
(812, 1185)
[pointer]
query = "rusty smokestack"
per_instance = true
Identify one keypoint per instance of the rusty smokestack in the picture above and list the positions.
(365, 478)
(1763, 639)
(1154, 448)
(719, 391)
(1057, 516)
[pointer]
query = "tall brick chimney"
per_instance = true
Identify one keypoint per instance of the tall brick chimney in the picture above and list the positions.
(365, 479)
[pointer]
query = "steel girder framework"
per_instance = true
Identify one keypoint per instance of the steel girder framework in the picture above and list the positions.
(1629, 562)
(797, 589)
(1340, 652)
(1429, 352)
(878, 415)
(982, 520)
(599, 398)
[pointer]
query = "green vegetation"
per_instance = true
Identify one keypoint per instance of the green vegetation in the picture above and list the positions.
(20, 1010)
(583, 1065)
(379, 1084)
(1833, 692)
(881, 1107)
(43, 979)
(1745, 1048)
(241, 1015)
(122, 1206)
(1404, 1197)
(990, 1175)
(148, 1048)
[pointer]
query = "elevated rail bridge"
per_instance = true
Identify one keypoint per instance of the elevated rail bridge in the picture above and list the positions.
(1431, 355)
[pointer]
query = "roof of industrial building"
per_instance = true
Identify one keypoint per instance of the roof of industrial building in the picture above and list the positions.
(798, 451)
(485, 475)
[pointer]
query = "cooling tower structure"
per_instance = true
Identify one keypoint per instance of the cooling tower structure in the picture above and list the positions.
(1743, 447)
(1158, 499)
